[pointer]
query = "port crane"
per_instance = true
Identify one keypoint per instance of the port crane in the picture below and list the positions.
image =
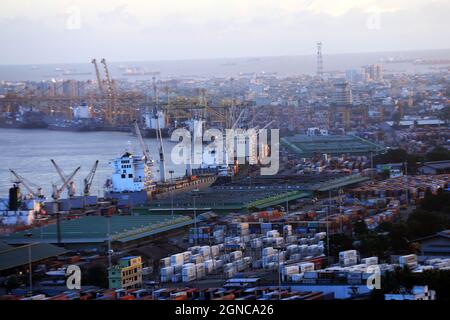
(35, 194)
(145, 150)
(162, 166)
(56, 195)
(71, 188)
(88, 180)
(97, 73)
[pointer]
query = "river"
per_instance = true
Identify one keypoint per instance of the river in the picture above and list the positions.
(28, 152)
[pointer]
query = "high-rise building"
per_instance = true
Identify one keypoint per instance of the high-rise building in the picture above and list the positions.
(374, 72)
(342, 93)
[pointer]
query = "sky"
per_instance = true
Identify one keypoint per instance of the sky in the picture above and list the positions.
(69, 31)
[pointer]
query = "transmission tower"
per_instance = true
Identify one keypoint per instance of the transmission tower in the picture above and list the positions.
(319, 61)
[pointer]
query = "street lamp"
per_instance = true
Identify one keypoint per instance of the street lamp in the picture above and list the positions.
(171, 190)
(195, 195)
(30, 279)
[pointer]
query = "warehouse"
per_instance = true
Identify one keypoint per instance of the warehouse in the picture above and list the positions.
(307, 146)
(91, 232)
(436, 245)
(15, 257)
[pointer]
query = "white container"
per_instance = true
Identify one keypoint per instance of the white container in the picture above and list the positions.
(209, 266)
(297, 277)
(219, 264)
(256, 243)
(410, 260)
(176, 278)
(176, 259)
(197, 258)
(346, 262)
(290, 270)
(200, 271)
(167, 272)
(306, 267)
(348, 254)
(187, 256)
(272, 234)
(268, 251)
(320, 235)
(164, 262)
(236, 255)
(370, 261)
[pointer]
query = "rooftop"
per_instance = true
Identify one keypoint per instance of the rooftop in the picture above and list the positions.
(94, 229)
(18, 256)
(307, 146)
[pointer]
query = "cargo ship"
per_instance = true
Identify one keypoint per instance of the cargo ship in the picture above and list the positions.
(132, 182)
(153, 121)
(24, 119)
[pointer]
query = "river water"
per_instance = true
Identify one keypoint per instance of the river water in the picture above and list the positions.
(28, 152)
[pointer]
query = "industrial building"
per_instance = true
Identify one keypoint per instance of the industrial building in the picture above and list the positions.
(308, 146)
(435, 245)
(16, 257)
(91, 232)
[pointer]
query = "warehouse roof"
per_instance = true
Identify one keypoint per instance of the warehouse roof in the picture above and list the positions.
(94, 229)
(19, 256)
(307, 146)
(4, 246)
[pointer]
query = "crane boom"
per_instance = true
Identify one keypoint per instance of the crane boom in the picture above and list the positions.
(57, 191)
(21, 180)
(144, 147)
(162, 168)
(97, 73)
(71, 189)
(89, 178)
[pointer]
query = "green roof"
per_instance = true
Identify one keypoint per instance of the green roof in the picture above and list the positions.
(91, 229)
(4, 246)
(307, 146)
(19, 256)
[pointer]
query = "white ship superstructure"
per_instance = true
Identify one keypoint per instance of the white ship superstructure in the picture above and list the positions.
(131, 174)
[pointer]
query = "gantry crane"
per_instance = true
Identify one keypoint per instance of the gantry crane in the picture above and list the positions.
(111, 101)
(97, 73)
(88, 180)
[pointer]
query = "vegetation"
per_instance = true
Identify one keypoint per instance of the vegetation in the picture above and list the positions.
(392, 282)
(398, 156)
(438, 154)
(96, 275)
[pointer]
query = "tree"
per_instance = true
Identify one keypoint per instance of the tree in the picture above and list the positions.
(11, 283)
(438, 154)
(422, 223)
(360, 228)
(96, 275)
(339, 242)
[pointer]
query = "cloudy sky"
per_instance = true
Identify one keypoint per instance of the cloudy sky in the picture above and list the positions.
(57, 31)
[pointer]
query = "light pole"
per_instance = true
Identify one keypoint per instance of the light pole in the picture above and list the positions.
(108, 217)
(194, 195)
(171, 190)
(30, 276)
